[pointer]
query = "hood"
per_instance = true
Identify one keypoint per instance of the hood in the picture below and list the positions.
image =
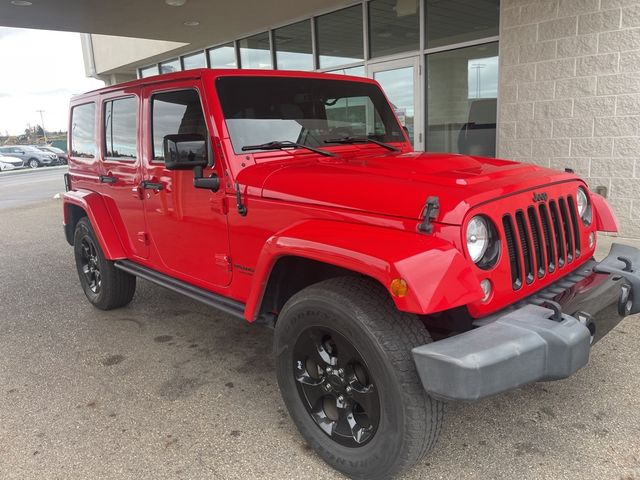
(396, 184)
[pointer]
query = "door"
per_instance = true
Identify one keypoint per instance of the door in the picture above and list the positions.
(18, 153)
(121, 169)
(400, 79)
(187, 226)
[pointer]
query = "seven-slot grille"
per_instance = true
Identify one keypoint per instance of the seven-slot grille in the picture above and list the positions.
(541, 239)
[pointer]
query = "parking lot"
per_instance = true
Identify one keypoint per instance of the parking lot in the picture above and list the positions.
(168, 388)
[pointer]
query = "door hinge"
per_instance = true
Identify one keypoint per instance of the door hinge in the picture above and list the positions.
(223, 260)
(143, 238)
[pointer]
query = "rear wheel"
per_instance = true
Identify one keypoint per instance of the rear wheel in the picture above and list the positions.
(33, 163)
(105, 286)
(347, 376)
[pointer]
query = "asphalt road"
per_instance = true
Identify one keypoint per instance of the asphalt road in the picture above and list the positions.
(169, 389)
(19, 187)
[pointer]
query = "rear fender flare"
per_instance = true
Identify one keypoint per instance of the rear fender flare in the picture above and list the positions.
(93, 204)
(438, 275)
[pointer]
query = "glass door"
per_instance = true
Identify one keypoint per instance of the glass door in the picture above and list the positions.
(400, 79)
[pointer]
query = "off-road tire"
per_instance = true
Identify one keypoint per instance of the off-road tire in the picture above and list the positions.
(362, 311)
(117, 287)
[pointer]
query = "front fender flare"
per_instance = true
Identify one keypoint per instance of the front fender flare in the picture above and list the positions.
(603, 215)
(93, 204)
(438, 275)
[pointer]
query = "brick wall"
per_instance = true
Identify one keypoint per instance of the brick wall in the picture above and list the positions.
(570, 93)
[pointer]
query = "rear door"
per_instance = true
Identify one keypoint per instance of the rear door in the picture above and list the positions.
(187, 226)
(121, 171)
(16, 152)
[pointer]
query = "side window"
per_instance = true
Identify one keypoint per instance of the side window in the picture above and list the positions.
(83, 131)
(120, 132)
(175, 112)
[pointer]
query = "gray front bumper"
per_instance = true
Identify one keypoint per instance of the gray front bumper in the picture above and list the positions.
(532, 343)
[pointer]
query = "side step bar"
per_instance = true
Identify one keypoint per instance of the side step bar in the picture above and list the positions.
(224, 304)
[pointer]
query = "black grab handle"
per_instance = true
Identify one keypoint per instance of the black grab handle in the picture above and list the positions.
(151, 185)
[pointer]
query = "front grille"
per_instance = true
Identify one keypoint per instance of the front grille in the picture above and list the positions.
(541, 240)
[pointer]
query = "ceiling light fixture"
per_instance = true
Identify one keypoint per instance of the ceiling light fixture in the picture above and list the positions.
(175, 3)
(191, 23)
(21, 3)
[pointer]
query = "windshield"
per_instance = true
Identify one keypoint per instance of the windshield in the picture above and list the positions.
(307, 111)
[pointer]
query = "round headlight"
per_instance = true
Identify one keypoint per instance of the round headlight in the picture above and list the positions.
(582, 201)
(477, 238)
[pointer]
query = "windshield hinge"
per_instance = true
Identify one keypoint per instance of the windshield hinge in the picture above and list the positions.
(429, 213)
(242, 210)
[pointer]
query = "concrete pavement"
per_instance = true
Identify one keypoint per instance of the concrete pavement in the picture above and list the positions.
(24, 187)
(167, 388)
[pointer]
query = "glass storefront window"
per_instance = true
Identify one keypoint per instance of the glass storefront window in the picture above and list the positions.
(340, 37)
(170, 66)
(399, 87)
(394, 26)
(255, 51)
(149, 71)
(293, 47)
(457, 21)
(223, 56)
(355, 71)
(462, 88)
(196, 60)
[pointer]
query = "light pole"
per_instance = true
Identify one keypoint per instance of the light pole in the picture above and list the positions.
(44, 130)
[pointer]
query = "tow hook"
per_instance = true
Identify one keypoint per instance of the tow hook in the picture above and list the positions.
(625, 301)
(587, 320)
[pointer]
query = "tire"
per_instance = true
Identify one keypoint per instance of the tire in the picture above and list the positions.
(361, 312)
(105, 286)
(33, 163)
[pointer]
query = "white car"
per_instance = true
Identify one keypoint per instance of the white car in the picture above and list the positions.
(9, 163)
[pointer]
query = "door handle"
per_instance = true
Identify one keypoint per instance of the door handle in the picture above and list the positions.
(108, 179)
(147, 185)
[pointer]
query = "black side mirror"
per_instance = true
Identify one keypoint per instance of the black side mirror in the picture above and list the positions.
(188, 151)
(185, 151)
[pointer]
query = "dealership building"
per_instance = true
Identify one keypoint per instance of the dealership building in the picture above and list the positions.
(553, 82)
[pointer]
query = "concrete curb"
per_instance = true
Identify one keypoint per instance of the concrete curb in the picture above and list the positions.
(24, 171)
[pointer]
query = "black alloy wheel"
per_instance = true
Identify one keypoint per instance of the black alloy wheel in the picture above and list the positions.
(90, 264)
(336, 387)
(348, 379)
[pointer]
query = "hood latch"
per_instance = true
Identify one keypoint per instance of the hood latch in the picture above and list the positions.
(429, 213)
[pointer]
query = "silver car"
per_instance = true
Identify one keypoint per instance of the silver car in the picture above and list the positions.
(9, 163)
(31, 156)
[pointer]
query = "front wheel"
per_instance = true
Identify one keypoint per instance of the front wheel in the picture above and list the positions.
(347, 377)
(33, 163)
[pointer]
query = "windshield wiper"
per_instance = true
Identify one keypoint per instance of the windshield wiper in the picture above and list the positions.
(362, 140)
(279, 145)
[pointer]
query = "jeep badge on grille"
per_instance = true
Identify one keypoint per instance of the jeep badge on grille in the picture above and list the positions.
(539, 197)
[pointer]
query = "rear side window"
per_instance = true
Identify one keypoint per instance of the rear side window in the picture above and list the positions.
(120, 132)
(175, 112)
(83, 131)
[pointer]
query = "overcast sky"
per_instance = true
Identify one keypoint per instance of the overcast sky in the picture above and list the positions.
(39, 70)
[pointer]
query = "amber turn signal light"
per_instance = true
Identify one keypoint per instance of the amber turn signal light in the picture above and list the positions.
(399, 287)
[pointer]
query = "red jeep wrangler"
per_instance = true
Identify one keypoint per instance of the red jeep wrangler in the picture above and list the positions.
(395, 280)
